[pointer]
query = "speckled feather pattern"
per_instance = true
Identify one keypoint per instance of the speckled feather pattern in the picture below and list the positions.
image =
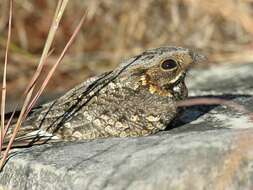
(136, 99)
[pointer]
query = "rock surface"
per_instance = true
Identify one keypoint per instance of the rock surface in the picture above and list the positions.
(207, 147)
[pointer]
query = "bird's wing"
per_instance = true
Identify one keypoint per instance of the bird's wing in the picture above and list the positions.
(36, 130)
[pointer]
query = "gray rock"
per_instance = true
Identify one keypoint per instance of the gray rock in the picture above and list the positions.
(207, 147)
(224, 79)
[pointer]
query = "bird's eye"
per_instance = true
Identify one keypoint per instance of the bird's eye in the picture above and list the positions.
(169, 64)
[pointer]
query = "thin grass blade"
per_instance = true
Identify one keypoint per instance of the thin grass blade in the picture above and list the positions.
(58, 15)
(48, 77)
(4, 77)
(215, 101)
(52, 31)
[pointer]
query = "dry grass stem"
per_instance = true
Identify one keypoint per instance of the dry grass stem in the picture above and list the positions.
(48, 77)
(28, 94)
(9, 121)
(4, 78)
(51, 34)
(215, 101)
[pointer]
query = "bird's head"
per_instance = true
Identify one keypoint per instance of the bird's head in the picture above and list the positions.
(162, 70)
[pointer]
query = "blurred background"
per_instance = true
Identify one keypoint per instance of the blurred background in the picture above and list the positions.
(222, 29)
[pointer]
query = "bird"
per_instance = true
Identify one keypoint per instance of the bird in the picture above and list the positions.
(137, 98)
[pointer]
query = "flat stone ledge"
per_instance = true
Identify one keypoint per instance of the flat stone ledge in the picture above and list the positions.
(192, 160)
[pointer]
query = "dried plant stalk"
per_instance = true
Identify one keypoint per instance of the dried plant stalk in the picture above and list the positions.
(48, 77)
(29, 91)
(215, 101)
(4, 78)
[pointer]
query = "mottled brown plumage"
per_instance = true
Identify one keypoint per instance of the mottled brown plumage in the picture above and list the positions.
(136, 99)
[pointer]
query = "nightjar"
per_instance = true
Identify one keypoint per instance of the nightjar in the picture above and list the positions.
(137, 98)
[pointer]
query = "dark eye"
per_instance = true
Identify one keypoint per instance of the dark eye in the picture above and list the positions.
(169, 64)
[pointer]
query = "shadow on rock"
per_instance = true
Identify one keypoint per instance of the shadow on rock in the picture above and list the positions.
(189, 114)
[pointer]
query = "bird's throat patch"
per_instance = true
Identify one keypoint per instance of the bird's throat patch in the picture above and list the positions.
(154, 88)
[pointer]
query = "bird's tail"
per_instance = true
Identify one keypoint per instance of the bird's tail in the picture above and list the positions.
(27, 135)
